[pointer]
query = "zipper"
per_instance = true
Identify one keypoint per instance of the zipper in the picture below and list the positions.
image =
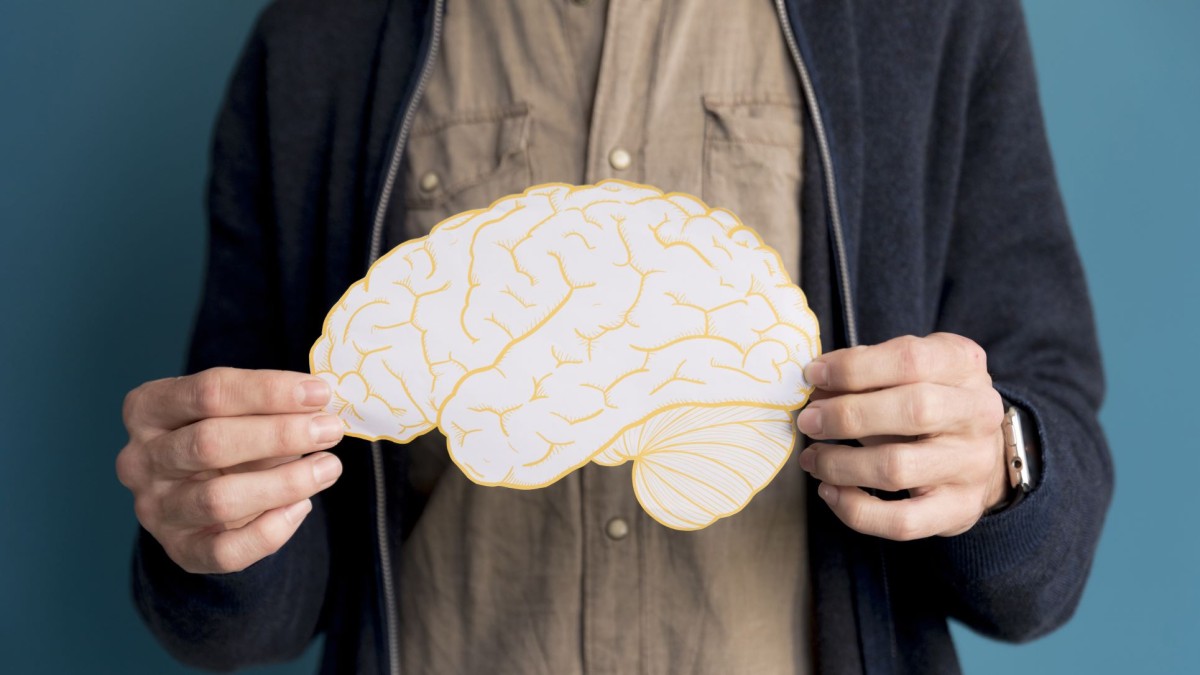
(870, 654)
(831, 194)
(393, 170)
(385, 561)
(390, 618)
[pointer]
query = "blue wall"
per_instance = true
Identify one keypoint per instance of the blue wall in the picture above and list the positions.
(1121, 89)
(105, 113)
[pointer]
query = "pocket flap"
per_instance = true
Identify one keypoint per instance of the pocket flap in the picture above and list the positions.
(449, 154)
(759, 119)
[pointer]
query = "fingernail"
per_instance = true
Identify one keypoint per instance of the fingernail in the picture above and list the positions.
(325, 429)
(314, 392)
(327, 469)
(828, 493)
(808, 459)
(817, 373)
(296, 512)
(809, 420)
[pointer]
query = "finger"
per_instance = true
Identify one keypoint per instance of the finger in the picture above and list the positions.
(909, 410)
(225, 442)
(890, 466)
(943, 358)
(222, 392)
(233, 497)
(235, 550)
(936, 512)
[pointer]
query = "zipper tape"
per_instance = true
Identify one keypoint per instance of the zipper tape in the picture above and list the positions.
(391, 613)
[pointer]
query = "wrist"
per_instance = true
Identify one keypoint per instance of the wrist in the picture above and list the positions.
(1000, 491)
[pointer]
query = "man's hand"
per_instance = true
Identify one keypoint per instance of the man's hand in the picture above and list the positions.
(930, 423)
(214, 462)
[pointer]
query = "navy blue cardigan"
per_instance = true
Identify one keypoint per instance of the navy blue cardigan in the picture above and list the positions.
(952, 220)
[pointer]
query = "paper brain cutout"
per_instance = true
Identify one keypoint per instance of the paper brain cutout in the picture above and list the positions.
(564, 325)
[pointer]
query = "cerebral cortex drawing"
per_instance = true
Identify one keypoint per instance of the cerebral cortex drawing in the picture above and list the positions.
(604, 323)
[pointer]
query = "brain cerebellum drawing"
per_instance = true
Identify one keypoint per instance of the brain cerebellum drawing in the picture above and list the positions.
(570, 324)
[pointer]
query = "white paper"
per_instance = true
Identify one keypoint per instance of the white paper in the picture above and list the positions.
(604, 323)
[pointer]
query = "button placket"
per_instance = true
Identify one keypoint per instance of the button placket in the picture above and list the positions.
(612, 572)
(612, 543)
(616, 137)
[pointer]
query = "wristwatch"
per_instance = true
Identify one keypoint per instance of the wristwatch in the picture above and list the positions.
(1020, 456)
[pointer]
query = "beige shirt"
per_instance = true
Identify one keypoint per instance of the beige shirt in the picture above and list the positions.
(697, 96)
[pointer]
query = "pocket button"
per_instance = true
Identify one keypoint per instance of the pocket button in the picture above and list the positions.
(430, 181)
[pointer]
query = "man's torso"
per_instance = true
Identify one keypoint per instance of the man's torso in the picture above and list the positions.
(696, 97)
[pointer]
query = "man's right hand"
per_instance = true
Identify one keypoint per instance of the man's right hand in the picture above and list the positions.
(216, 462)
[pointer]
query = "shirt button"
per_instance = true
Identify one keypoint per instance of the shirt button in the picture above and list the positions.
(619, 159)
(429, 181)
(617, 528)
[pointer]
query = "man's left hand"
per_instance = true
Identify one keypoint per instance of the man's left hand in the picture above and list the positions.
(930, 423)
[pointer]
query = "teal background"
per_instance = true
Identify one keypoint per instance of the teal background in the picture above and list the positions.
(105, 114)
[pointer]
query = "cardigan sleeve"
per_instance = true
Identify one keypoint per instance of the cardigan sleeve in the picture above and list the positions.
(1015, 284)
(269, 611)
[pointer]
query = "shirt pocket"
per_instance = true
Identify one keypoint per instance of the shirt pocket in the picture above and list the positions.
(753, 156)
(463, 161)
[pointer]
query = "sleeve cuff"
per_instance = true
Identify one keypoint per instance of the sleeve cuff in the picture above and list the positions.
(1005, 539)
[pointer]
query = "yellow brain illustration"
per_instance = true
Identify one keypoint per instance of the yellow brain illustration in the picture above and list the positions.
(605, 323)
